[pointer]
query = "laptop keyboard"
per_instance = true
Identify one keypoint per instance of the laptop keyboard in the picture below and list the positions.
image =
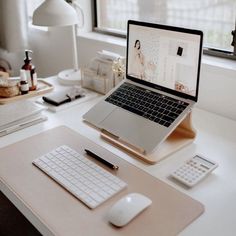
(151, 105)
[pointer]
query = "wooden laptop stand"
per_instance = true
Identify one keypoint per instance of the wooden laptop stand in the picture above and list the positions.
(183, 135)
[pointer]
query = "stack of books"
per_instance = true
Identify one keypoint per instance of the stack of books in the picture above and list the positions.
(18, 115)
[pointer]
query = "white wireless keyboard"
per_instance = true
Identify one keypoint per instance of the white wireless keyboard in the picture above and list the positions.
(83, 178)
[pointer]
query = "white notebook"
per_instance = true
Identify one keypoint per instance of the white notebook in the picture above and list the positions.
(18, 115)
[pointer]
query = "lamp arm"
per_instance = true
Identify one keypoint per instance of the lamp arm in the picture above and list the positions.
(74, 29)
(77, 6)
(76, 65)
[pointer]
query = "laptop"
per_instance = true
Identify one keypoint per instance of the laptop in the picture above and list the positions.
(160, 88)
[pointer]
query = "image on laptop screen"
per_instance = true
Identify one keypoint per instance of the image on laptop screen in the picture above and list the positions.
(166, 58)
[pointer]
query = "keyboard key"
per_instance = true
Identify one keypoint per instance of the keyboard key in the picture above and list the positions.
(168, 119)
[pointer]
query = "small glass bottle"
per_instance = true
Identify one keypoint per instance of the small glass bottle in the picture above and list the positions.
(24, 86)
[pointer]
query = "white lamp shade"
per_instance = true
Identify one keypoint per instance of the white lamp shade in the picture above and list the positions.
(55, 13)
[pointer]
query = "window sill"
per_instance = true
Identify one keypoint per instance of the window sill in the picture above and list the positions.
(219, 62)
(103, 38)
(41, 28)
(211, 61)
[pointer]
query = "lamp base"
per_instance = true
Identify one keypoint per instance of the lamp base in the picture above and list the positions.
(70, 77)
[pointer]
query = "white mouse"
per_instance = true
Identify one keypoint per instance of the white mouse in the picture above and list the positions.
(125, 209)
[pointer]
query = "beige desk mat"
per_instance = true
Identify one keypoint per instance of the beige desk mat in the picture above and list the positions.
(170, 212)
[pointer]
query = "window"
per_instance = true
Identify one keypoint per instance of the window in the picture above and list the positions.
(216, 18)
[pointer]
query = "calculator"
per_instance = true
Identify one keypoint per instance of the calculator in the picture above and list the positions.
(194, 170)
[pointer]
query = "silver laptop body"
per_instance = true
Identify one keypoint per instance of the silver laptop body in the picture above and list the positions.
(161, 85)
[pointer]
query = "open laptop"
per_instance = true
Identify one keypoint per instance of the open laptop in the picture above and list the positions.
(161, 85)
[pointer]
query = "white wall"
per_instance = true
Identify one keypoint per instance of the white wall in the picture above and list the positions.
(52, 50)
(217, 90)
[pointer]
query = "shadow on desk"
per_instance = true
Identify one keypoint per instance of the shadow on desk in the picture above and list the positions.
(12, 222)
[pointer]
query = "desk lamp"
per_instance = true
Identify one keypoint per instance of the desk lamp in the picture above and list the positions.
(53, 13)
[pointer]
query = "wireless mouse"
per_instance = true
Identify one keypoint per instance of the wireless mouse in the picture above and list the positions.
(127, 208)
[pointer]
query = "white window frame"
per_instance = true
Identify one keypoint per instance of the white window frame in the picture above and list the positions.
(206, 50)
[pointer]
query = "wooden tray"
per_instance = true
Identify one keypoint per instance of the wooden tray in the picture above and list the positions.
(43, 87)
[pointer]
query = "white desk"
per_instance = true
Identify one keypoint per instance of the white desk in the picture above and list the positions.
(216, 139)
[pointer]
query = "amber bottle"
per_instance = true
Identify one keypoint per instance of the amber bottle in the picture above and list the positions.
(29, 68)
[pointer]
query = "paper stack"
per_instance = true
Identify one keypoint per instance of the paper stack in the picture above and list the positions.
(18, 115)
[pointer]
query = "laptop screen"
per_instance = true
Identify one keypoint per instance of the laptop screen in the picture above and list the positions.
(165, 57)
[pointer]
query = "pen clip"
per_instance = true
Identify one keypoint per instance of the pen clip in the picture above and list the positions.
(115, 167)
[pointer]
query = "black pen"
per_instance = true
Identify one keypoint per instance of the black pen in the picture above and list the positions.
(108, 164)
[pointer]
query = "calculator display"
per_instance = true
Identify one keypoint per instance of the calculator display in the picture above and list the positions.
(204, 162)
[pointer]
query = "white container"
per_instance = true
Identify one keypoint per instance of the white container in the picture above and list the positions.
(98, 83)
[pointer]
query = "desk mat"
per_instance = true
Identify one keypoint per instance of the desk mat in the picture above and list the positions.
(62, 214)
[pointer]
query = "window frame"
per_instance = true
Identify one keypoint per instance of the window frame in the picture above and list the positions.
(206, 50)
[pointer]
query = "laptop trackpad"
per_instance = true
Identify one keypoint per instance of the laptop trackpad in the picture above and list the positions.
(134, 129)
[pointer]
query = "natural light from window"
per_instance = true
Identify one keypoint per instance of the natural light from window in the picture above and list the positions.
(216, 18)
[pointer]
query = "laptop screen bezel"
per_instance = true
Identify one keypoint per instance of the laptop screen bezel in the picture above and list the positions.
(159, 87)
